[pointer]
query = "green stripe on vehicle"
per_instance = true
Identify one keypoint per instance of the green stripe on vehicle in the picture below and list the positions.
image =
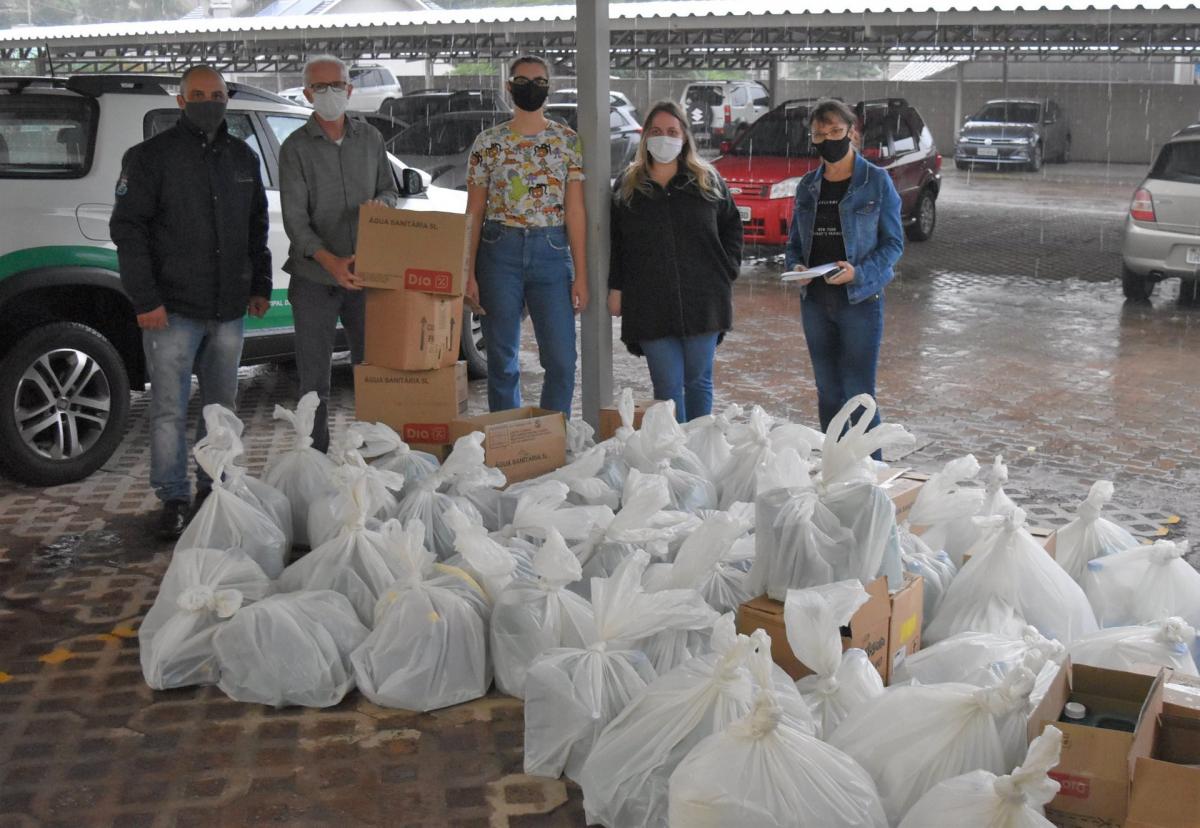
(279, 315)
(65, 255)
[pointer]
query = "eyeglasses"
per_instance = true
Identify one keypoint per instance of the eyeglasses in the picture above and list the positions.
(835, 134)
(340, 86)
(521, 80)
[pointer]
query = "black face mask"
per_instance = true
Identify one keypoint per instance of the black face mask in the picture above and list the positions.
(834, 151)
(206, 115)
(528, 96)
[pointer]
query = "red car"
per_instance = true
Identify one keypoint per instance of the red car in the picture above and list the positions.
(764, 165)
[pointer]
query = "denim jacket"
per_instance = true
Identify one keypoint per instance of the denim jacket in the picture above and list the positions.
(870, 227)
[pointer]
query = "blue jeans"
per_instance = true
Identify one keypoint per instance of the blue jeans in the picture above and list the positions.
(843, 341)
(681, 369)
(518, 267)
(213, 350)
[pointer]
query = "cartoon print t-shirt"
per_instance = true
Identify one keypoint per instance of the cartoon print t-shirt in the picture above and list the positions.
(526, 175)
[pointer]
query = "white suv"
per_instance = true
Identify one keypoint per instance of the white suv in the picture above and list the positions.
(723, 110)
(70, 349)
(374, 86)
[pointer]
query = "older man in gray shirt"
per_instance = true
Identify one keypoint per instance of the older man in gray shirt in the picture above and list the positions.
(327, 170)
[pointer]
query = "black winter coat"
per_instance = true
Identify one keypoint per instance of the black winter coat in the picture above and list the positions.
(190, 224)
(675, 255)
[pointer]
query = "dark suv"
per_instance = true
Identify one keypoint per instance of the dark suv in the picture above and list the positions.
(1014, 133)
(764, 166)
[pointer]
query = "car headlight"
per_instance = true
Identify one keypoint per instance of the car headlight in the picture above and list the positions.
(785, 188)
(1020, 140)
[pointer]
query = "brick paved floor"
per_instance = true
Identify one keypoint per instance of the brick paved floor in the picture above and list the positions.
(1006, 333)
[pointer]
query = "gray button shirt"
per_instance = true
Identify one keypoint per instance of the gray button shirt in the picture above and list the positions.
(321, 186)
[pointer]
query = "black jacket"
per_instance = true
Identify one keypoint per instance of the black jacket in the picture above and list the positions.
(675, 255)
(190, 224)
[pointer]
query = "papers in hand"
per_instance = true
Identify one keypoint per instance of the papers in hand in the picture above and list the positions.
(818, 272)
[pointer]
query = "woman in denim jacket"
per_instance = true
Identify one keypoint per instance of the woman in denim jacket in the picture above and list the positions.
(847, 212)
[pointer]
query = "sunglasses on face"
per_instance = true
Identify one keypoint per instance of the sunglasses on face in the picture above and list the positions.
(521, 80)
(321, 87)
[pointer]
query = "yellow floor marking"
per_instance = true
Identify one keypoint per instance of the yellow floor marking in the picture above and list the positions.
(56, 656)
(124, 632)
(4, 677)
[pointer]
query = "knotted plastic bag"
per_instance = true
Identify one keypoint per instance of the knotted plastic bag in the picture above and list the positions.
(711, 562)
(981, 659)
(935, 568)
(201, 588)
(841, 681)
(1143, 584)
(488, 562)
(660, 447)
(982, 798)
(571, 694)
(429, 505)
(544, 506)
(328, 515)
(1009, 582)
(708, 439)
(1090, 536)
(290, 649)
(385, 449)
(614, 469)
(582, 478)
(580, 439)
(754, 444)
(531, 616)
(625, 779)
(429, 646)
(1166, 643)
(911, 738)
(301, 472)
(226, 521)
(945, 508)
(630, 530)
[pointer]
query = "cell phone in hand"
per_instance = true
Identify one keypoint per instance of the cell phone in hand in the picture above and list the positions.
(833, 274)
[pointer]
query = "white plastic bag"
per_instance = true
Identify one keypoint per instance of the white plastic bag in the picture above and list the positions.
(766, 771)
(625, 779)
(302, 472)
(614, 469)
(226, 521)
(911, 738)
(708, 439)
(936, 569)
(841, 682)
(490, 564)
(328, 515)
(1090, 536)
(1010, 581)
(201, 588)
(981, 659)
(544, 507)
(385, 449)
(995, 501)
(582, 477)
(945, 509)
(754, 445)
(798, 542)
(571, 694)
(1144, 584)
(710, 561)
(428, 505)
(580, 439)
(1167, 643)
(660, 447)
(287, 649)
(532, 616)
(629, 530)
(429, 646)
(981, 798)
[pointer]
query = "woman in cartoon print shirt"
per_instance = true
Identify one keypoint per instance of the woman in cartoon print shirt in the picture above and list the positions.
(525, 200)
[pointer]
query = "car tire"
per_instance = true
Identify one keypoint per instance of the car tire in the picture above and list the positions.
(926, 217)
(32, 372)
(1036, 159)
(1137, 287)
(473, 350)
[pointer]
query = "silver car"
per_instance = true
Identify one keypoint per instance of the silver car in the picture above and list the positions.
(443, 144)
(1162, 230)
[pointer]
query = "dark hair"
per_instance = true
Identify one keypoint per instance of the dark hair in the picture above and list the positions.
(191, 70)
(523, 59)
(830, 109)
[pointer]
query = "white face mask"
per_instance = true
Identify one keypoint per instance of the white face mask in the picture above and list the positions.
(331, 104)
(664, 148)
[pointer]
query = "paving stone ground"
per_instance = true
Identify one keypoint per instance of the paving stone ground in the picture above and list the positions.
(1005, 334)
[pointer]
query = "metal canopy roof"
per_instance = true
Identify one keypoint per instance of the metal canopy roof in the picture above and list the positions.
(709, 34)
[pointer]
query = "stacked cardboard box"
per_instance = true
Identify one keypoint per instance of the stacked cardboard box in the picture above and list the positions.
(414, 265)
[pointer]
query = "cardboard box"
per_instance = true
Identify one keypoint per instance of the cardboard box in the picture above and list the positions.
(1166, 791)
(419, 405)
(1097, 765)
(412, 251)
(523, 443)
(903, 491)
(610, 419)
(904, 627)
(412, 331)
(867, 630)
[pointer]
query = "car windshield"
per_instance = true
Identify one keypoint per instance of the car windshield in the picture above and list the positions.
(46, 136)
(1008, 113)
(1178, 161)
(444, 137)
(781, 132)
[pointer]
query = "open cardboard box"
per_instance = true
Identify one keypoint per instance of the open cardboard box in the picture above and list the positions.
(1166, 784)
(905, 621)
(867, 630)
(1096, 768)
(523, 443)
(902, 489)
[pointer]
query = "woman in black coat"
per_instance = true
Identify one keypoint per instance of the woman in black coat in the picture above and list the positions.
(676, 249)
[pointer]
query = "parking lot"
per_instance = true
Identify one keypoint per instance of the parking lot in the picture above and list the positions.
(1005, 334)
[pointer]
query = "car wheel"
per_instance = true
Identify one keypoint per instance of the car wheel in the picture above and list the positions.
(64, 404)
(1137, 287)
(474, 350)
(1035, 158)
(926, 217)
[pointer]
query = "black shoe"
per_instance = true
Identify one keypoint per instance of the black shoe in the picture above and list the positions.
(198, 500)
(172, 519)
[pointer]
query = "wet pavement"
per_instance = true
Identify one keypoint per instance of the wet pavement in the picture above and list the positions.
(1006, 333)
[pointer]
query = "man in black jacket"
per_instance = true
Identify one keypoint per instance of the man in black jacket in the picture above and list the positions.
(190, 225)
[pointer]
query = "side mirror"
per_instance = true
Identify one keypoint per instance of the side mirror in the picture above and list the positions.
(726, 146)
(411, 182)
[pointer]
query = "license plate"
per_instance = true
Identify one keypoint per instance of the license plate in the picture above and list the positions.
(1193, 255)
(988, 152)
(744, 212)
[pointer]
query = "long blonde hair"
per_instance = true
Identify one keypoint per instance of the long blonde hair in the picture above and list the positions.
(636, 177)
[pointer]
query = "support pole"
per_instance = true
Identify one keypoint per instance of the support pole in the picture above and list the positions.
(1004, 77)
(591, 69)
(958, 84)
(773, 81)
